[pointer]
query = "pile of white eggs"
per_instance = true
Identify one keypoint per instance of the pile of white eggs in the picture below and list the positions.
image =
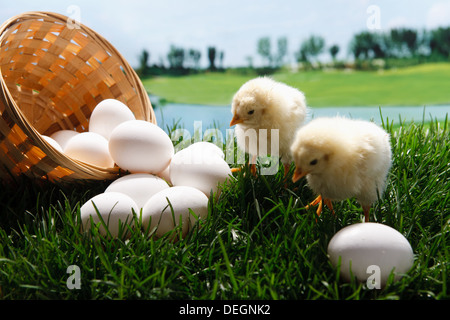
(167, 189)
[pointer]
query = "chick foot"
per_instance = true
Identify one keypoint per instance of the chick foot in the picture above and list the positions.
(252, 169)
(329, 204)
(319, 201)
(315, 202)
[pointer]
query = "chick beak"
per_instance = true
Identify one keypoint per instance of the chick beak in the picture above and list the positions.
(298, 174)
(235, 120)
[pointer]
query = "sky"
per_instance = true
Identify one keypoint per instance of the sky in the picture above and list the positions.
(234, 26)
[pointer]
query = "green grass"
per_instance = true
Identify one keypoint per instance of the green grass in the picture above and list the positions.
(257, 243)
(420, 85)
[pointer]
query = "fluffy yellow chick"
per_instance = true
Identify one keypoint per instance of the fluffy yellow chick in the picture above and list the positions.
(342, 158)
(263, 103)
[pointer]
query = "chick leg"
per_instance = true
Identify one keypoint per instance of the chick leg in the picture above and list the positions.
(366, 210)
(252, 167)
(329, 204)
(286, 169)
(315, 202)
(320, 201)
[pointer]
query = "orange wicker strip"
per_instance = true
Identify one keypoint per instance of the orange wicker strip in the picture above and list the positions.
(51, 78)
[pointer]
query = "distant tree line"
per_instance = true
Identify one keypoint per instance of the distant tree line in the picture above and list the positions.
(396, 47)
(180, 62)
(402, 44)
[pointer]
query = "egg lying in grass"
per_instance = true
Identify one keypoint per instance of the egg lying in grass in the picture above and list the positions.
(107, 115)
(63, 136)
(138, 186)
(201, 170)
(91, 148)
(370, 251)
(140, 147)
(114, 208)
(168, 208)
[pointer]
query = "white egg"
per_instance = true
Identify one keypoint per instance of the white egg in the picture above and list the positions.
(207, 147)
(370, 251)
(114, 208)
(138, 186)
(63, 136)
(203, 171)
(165, 174)
(91, 148)
(52, 142)
(157, 212)
(107, 115)
(140, 147)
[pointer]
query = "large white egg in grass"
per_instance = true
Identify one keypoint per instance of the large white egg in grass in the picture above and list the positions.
(91, 148)
(170, 207)
(140, 147)
(52, 142)
(114, 208)
(63, 136)
(370, 252)
(138, 186)
(204, 171)
(107, 115)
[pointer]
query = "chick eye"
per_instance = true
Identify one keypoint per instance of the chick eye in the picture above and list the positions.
(314, 162)
(251, 112)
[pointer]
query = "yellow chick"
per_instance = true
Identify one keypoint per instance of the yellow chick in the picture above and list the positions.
(263, 103)
(342, 158)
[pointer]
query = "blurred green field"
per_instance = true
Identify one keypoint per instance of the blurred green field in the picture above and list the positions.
(426, 84)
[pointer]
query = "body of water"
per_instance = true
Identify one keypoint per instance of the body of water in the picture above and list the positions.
(220, 116)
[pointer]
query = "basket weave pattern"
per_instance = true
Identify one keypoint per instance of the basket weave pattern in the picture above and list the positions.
(52, 76)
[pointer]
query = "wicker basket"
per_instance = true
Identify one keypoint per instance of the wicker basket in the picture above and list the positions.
(52, 76)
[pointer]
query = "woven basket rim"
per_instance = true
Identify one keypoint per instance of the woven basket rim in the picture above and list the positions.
(19, 118)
